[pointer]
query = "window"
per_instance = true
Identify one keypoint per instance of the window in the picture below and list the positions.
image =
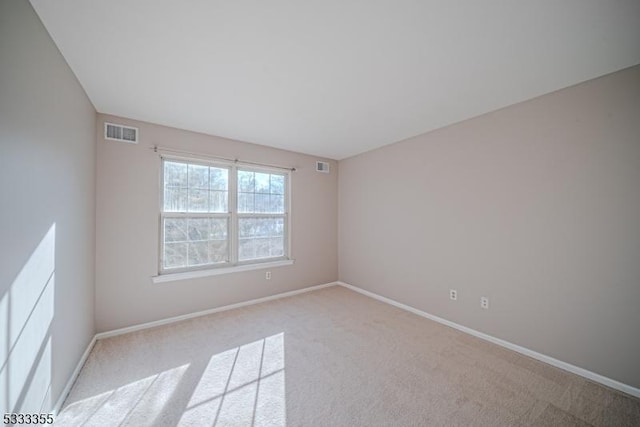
(216, 215)
(261, 215)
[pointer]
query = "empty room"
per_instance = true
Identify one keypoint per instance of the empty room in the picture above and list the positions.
(320, 213)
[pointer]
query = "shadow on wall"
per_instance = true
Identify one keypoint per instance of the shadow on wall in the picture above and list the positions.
(241, 386)
(26, 315)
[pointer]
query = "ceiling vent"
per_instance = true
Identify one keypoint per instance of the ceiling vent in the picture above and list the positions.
(121, 133)
(322, 167)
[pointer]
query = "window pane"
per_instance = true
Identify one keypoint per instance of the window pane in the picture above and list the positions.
(219, 228)
(262, 203)
(256, 227)
(218, 201)
(195, 242)
(175, 255)
(277, 184)
(247, 249)
(245, 202)
(276, 203)
(198, 253)
(262, 248)
(199, 229)
(195, 188)
(175, 230)
(276, 246)
(246, 182)
(175, 200)
(262, 182)
(198, 200)
(261, 238)
(175, 174)
(263, 227)
(218, 251)
(244, 227)
(260, 192)
(198, 176)
(278, 227)
(219, 179)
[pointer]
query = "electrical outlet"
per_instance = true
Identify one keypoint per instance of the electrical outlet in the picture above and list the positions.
(268, 275)
(484, 302)
(453, 294)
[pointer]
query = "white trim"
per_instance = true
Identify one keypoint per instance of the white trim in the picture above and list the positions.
(287, 229)
(506, 344)
(194, 274)
(201, 160)
(522, 350)
(166, 321)
(233, 241)
(115, 332)
(73, 377)
(189, 156)
(232, 216)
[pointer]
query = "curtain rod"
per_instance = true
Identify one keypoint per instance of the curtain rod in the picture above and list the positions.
(157, 149)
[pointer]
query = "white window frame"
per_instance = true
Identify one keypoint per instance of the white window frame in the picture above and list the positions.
(234, 264)
(238, 215)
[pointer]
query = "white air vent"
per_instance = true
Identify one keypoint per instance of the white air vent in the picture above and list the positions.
(120, 133)
(322, 167)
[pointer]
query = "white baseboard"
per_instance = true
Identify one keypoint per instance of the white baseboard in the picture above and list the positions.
(72, 378)
(113, 333)
(166, 321)
(527, 352)
(522, 350)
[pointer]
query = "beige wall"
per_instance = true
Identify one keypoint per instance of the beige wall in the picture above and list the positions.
(536, 206)
(47, 215)
(127, 229)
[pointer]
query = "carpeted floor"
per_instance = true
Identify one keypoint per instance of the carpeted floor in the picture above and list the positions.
(331, 357)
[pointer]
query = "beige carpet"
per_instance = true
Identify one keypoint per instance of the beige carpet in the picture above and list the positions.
(327, 358)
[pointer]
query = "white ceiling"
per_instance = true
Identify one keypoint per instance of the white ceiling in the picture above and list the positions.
(333, 78)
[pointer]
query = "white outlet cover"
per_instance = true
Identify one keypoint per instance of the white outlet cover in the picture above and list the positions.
(484, 302)
(453, 294)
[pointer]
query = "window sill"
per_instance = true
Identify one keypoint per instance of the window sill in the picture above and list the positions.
(171, 277)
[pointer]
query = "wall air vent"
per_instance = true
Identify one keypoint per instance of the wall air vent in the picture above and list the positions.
(322, 167)
(121, 133)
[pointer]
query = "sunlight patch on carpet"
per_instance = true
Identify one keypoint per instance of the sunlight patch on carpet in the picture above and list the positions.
(137, 403)
(241, 386)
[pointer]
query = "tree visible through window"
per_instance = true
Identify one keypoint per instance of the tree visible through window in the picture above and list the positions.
(260, 215)
(216, 215)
